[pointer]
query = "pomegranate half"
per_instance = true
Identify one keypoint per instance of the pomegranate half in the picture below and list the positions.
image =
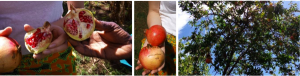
(38, 40)
(156, 35)
(10, 54)
(151, 58)
(79, 23)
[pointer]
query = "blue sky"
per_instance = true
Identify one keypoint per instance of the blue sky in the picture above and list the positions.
(184, 29)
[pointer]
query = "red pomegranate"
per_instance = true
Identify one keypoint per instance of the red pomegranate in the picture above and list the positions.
(208, 60)
(39, 39)
(156, 35)
(79, 23)
(292, 38)
(151, 58)
(10, 54)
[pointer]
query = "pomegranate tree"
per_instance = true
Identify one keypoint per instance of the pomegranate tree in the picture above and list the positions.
(156, 35)
(38, 39)
(79, 23)
(151, 58)
(10, 54)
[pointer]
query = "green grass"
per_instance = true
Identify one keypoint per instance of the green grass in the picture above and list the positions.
(140, 22)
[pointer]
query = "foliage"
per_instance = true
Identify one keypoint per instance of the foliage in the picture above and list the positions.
(243, 37)
(191, 64)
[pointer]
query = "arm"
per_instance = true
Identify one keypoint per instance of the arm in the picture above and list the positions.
(153, 17)
(76, 4)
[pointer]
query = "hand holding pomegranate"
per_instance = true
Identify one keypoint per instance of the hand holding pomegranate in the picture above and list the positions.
(110, 42)
(140, 66)
(56, 44)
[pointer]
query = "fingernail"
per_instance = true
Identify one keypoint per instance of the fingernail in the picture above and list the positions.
(51, 45)
(46, 52)
(34, 56)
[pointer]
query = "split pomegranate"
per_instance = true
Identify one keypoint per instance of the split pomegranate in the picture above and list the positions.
(79, 23)
(156, 35)
(39, 39)
(151, 58)
(10, 54)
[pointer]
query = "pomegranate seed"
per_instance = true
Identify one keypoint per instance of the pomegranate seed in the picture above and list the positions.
(88, 26)
(80, 36)
(72, 28)
(36, 37)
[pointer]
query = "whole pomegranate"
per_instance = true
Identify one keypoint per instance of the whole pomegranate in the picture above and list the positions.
(156, 35)
(208, 60)
(292, 38)
(10, 54)
(151, 58)
(39, 39)
(79, 23)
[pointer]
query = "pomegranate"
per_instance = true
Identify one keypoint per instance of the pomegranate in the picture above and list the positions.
(10, 54)
(79, 23)
(208, 60)
(151, 58)
(156, 35)
(39, 39)
(292, 38)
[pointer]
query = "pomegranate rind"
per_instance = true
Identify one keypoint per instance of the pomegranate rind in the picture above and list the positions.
(86, 33)
(9, 60)
(151, 60)
(43, 45)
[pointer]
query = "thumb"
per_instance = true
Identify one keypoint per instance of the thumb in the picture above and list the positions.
(106, 26)
(6, 31)
(28, 28)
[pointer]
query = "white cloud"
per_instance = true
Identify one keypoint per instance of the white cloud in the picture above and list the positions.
(204, 7)
(182, 19)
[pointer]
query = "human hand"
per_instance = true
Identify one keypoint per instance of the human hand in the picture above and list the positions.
(58, 43)
(6, 32)
(111, 42)
(162, 47)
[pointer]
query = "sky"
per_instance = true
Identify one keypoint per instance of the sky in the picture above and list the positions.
(184, 29)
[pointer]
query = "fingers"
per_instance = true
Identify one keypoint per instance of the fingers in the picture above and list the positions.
(28, 28)
(47, 52)
(6, 31)
(146, 72)
(145, 43)
(159, 69)
(73, 42)
(139, 66)
(61, 38)
(81, 47)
